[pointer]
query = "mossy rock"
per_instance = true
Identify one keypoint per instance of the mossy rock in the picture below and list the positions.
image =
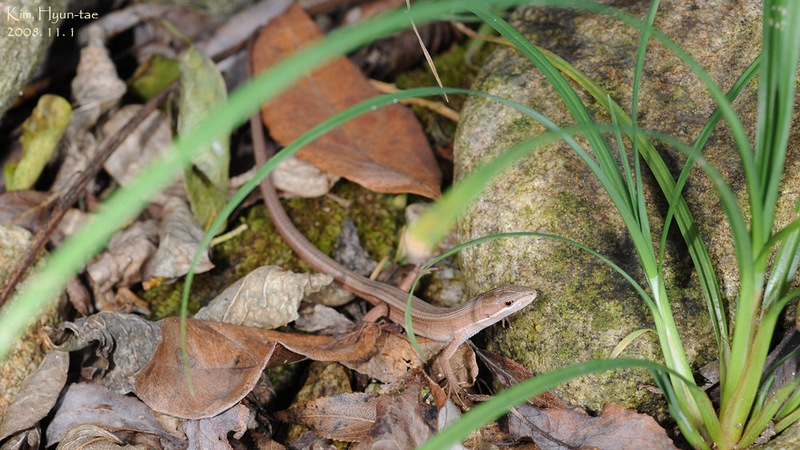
(30, 348)
(585, 308)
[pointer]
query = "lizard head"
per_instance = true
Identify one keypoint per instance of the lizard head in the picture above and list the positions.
(501, 302)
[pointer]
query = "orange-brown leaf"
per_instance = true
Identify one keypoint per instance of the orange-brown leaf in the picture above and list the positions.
(384, 150)
(616, 427)
(225, 362)
(343, 417)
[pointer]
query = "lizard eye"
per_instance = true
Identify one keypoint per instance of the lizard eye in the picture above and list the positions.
(509, 302)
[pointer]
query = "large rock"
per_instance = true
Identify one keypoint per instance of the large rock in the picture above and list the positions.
(25, 41)
(585, 308)
(30, 348)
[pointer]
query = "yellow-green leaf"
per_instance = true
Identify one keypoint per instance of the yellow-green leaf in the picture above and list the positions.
(152, 76)
(40, 135)
(202, 89)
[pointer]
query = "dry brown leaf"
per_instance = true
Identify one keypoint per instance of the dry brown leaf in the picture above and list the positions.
(23, 440)
(226, 361)
(212, 433)
(76, 150)
(302, 178)
(126, 301)
(96, 86)
(267, 297)
(394, 358)
(79, 297)
(123, 262)
(93, 404)
(179, 237)
(321, 318)
(385, 150)
(312, 441)
(126, 340)
(510, 373)
(385, 59)
(92, 437)
(265, 443)
(616, 428)
(148, 141)
(342, 417)
(26, 208)
(37, 395)
(402, 421)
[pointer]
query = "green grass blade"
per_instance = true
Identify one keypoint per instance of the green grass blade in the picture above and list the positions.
(641, 208)
(627, 340)
(757, 424)
(787, 421)
(780, 46)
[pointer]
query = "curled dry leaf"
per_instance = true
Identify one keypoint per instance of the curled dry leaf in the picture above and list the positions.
(301, 178)
(127, 340)
(37, 395)
(323, 319)
(226, 361)
(385, 150)
(343, 417)
(267, 297)
(94, 404)
(123, 262)
(90, 437)
(79, 296)
(616, 428)
(212, 432)
(149, 140)
(179, 238)
(402, 421)
(394, 358)
(77, 149)
(96, 87)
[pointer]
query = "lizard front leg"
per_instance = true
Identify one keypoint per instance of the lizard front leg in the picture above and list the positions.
(447, 368)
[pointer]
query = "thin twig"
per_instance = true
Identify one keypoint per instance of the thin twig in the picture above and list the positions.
(470, 33)
(437, 107)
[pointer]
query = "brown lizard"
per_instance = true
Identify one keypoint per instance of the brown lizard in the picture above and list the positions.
(451, 325)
